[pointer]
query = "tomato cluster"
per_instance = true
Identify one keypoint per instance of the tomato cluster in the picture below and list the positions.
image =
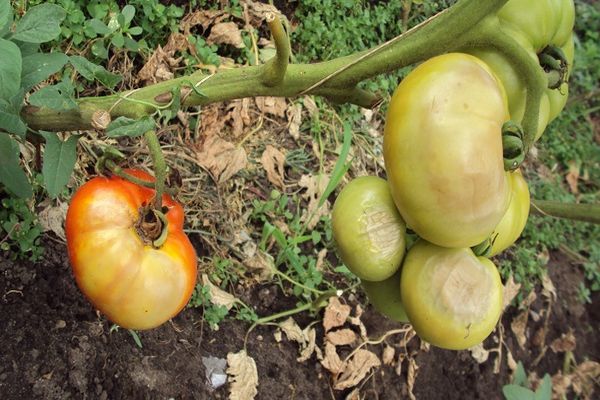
(443, 153)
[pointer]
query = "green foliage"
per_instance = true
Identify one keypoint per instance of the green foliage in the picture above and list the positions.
(518, 389)
(19, 229)
(226, 274)
(335, 28)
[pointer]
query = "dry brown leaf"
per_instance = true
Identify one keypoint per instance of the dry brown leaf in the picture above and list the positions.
(257, 11)
(204, 18)
(331, 360)
(411, 377)
(306, 338)
(511, 290)
(548, 289)
(356, 321)
(336, 314)
(341, 337)
(262, 264)
(479, 353)
(320, 259)
(315, 185)
(226, 33)
(353, 395)
(294, 116)
(529, 299)
(401, 358)
(585, 378)
(157, 68)
(518, 326)
(310, 105)
(310, 346)
(510, 360)
(560, 385)
(272, 161)
(52, 219)
(276, 106)
(573, 176)
(177, 42)
(239, 115)
(243, 376)
(221, 158)
(565, 343)
(212, 120)
(218, 296)
(388, 355)
(356, 369)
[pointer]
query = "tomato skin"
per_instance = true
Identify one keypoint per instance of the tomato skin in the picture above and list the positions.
(368, 230)
(385, 297)
(443, 150)
(133, 284)
(513, 222)
(452, 298)
(545, 22)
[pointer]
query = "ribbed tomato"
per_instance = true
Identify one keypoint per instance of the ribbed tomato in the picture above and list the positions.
(134, 284)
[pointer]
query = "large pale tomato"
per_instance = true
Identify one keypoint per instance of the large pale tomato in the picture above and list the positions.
(368, 231)
(134, 284)
(513, 222)
(443, 150)
(452, 298)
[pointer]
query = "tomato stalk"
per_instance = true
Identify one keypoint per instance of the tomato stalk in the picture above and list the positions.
(275, 68)
(335, 79)
(488, 34)
(578, 212)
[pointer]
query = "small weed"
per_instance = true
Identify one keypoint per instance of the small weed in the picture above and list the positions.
(519, 388)
(20, 232)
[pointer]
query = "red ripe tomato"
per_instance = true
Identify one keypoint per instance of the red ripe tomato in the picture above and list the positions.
(133, 283)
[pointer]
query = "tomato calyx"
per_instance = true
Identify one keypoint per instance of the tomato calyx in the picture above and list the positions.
(513, 145)
(484, 249)
(153, 226)
(554, 62)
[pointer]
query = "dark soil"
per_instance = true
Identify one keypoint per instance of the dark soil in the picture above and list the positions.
(55, 346)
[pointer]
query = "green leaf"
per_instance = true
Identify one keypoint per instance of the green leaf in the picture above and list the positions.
(118, 40)
(10, 69)
(6, 16)
(59, 161)
(128, 12)
(136, 30)
(91, 71)
(520, 377)
(99, 49)
(131, 44)
(544, 391)
(57, 97)
(99, 27)
(27, 49)
(38, 67)
(41, 24)
(340, 167)
(124, 126)
(515, 392)
(10, 115)
(11, 173)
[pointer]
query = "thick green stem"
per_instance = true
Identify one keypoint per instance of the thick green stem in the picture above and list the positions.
(160, 167)
(335, 79)
(579, 212)
(489, 34)
(275, 68)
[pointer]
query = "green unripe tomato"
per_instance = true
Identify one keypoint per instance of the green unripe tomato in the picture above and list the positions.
(385, 297)
(368, 230)
(452, 298)
(513, 222)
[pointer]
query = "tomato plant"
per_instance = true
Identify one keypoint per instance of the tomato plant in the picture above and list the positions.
(369, 232)
(385, 297)
(443, 150)
(513, 222)
(124, 276)
(546, 23)
(452, 298)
